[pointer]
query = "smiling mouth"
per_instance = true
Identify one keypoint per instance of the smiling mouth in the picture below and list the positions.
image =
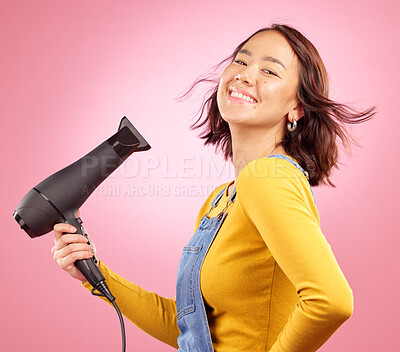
(239, 97)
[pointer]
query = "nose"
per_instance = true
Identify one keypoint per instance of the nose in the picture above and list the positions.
(246, 76)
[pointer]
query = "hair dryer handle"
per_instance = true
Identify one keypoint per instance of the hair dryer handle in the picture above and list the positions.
(87, 267)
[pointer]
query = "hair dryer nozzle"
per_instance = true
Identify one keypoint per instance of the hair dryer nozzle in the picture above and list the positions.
(127, 140)
(144, 145)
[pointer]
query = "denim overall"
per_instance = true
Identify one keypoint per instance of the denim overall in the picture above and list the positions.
(191, 314)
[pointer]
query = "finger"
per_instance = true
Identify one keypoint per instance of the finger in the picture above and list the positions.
(61, 228)
(68, 239)
(67, 263)
(72, 249)
(78, 213)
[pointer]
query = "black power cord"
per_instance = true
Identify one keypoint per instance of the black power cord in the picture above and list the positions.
(121, 320)
(105, 292)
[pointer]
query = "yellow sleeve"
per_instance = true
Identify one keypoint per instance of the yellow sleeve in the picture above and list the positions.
(150, 312)
(276, 198)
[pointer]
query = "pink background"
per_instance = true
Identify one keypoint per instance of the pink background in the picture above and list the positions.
(71, 69)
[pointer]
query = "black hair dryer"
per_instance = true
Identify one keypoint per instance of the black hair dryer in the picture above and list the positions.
(58, 198)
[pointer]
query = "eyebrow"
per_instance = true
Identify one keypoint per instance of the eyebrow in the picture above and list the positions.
(266, 58)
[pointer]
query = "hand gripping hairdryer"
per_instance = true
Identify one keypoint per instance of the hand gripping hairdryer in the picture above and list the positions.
(58, 198)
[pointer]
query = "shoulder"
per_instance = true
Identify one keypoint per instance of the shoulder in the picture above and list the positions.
(271, 180)
(274, 185)
(268, 172)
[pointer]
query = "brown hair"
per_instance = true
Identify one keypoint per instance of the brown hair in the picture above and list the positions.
(313, 143)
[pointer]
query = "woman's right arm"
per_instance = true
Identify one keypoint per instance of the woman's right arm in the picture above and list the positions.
(150, 312)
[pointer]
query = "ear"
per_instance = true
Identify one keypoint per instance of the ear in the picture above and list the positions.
(296, 113)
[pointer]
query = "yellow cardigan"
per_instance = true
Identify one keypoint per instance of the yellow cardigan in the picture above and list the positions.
(270, 281)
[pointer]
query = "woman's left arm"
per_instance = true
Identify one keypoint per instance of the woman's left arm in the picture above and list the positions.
(273, 197)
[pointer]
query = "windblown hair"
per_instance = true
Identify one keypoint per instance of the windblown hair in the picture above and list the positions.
(314, 142)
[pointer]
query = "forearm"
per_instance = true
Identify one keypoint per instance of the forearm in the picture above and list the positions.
(314, 321)
(150, 312)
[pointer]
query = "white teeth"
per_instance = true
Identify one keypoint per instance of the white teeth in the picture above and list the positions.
(242, 96)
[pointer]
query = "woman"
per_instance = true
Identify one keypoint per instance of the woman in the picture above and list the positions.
(258, 274)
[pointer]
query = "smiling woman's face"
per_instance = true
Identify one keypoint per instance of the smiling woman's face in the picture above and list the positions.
(268, 71)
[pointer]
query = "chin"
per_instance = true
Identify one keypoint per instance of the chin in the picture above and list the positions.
(234, 113)
(236, 120)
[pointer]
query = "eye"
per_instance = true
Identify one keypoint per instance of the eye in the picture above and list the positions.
(269, 72)
(240, 62)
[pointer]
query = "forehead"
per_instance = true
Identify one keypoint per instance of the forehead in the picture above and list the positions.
(272, 43)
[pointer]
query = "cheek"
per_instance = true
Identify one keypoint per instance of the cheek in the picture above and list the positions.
(220, 97)
(228, 74)
(275, 91)
(220, 89)
(223, 85)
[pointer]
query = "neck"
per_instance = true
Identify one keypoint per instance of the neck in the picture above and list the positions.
(251, 144)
